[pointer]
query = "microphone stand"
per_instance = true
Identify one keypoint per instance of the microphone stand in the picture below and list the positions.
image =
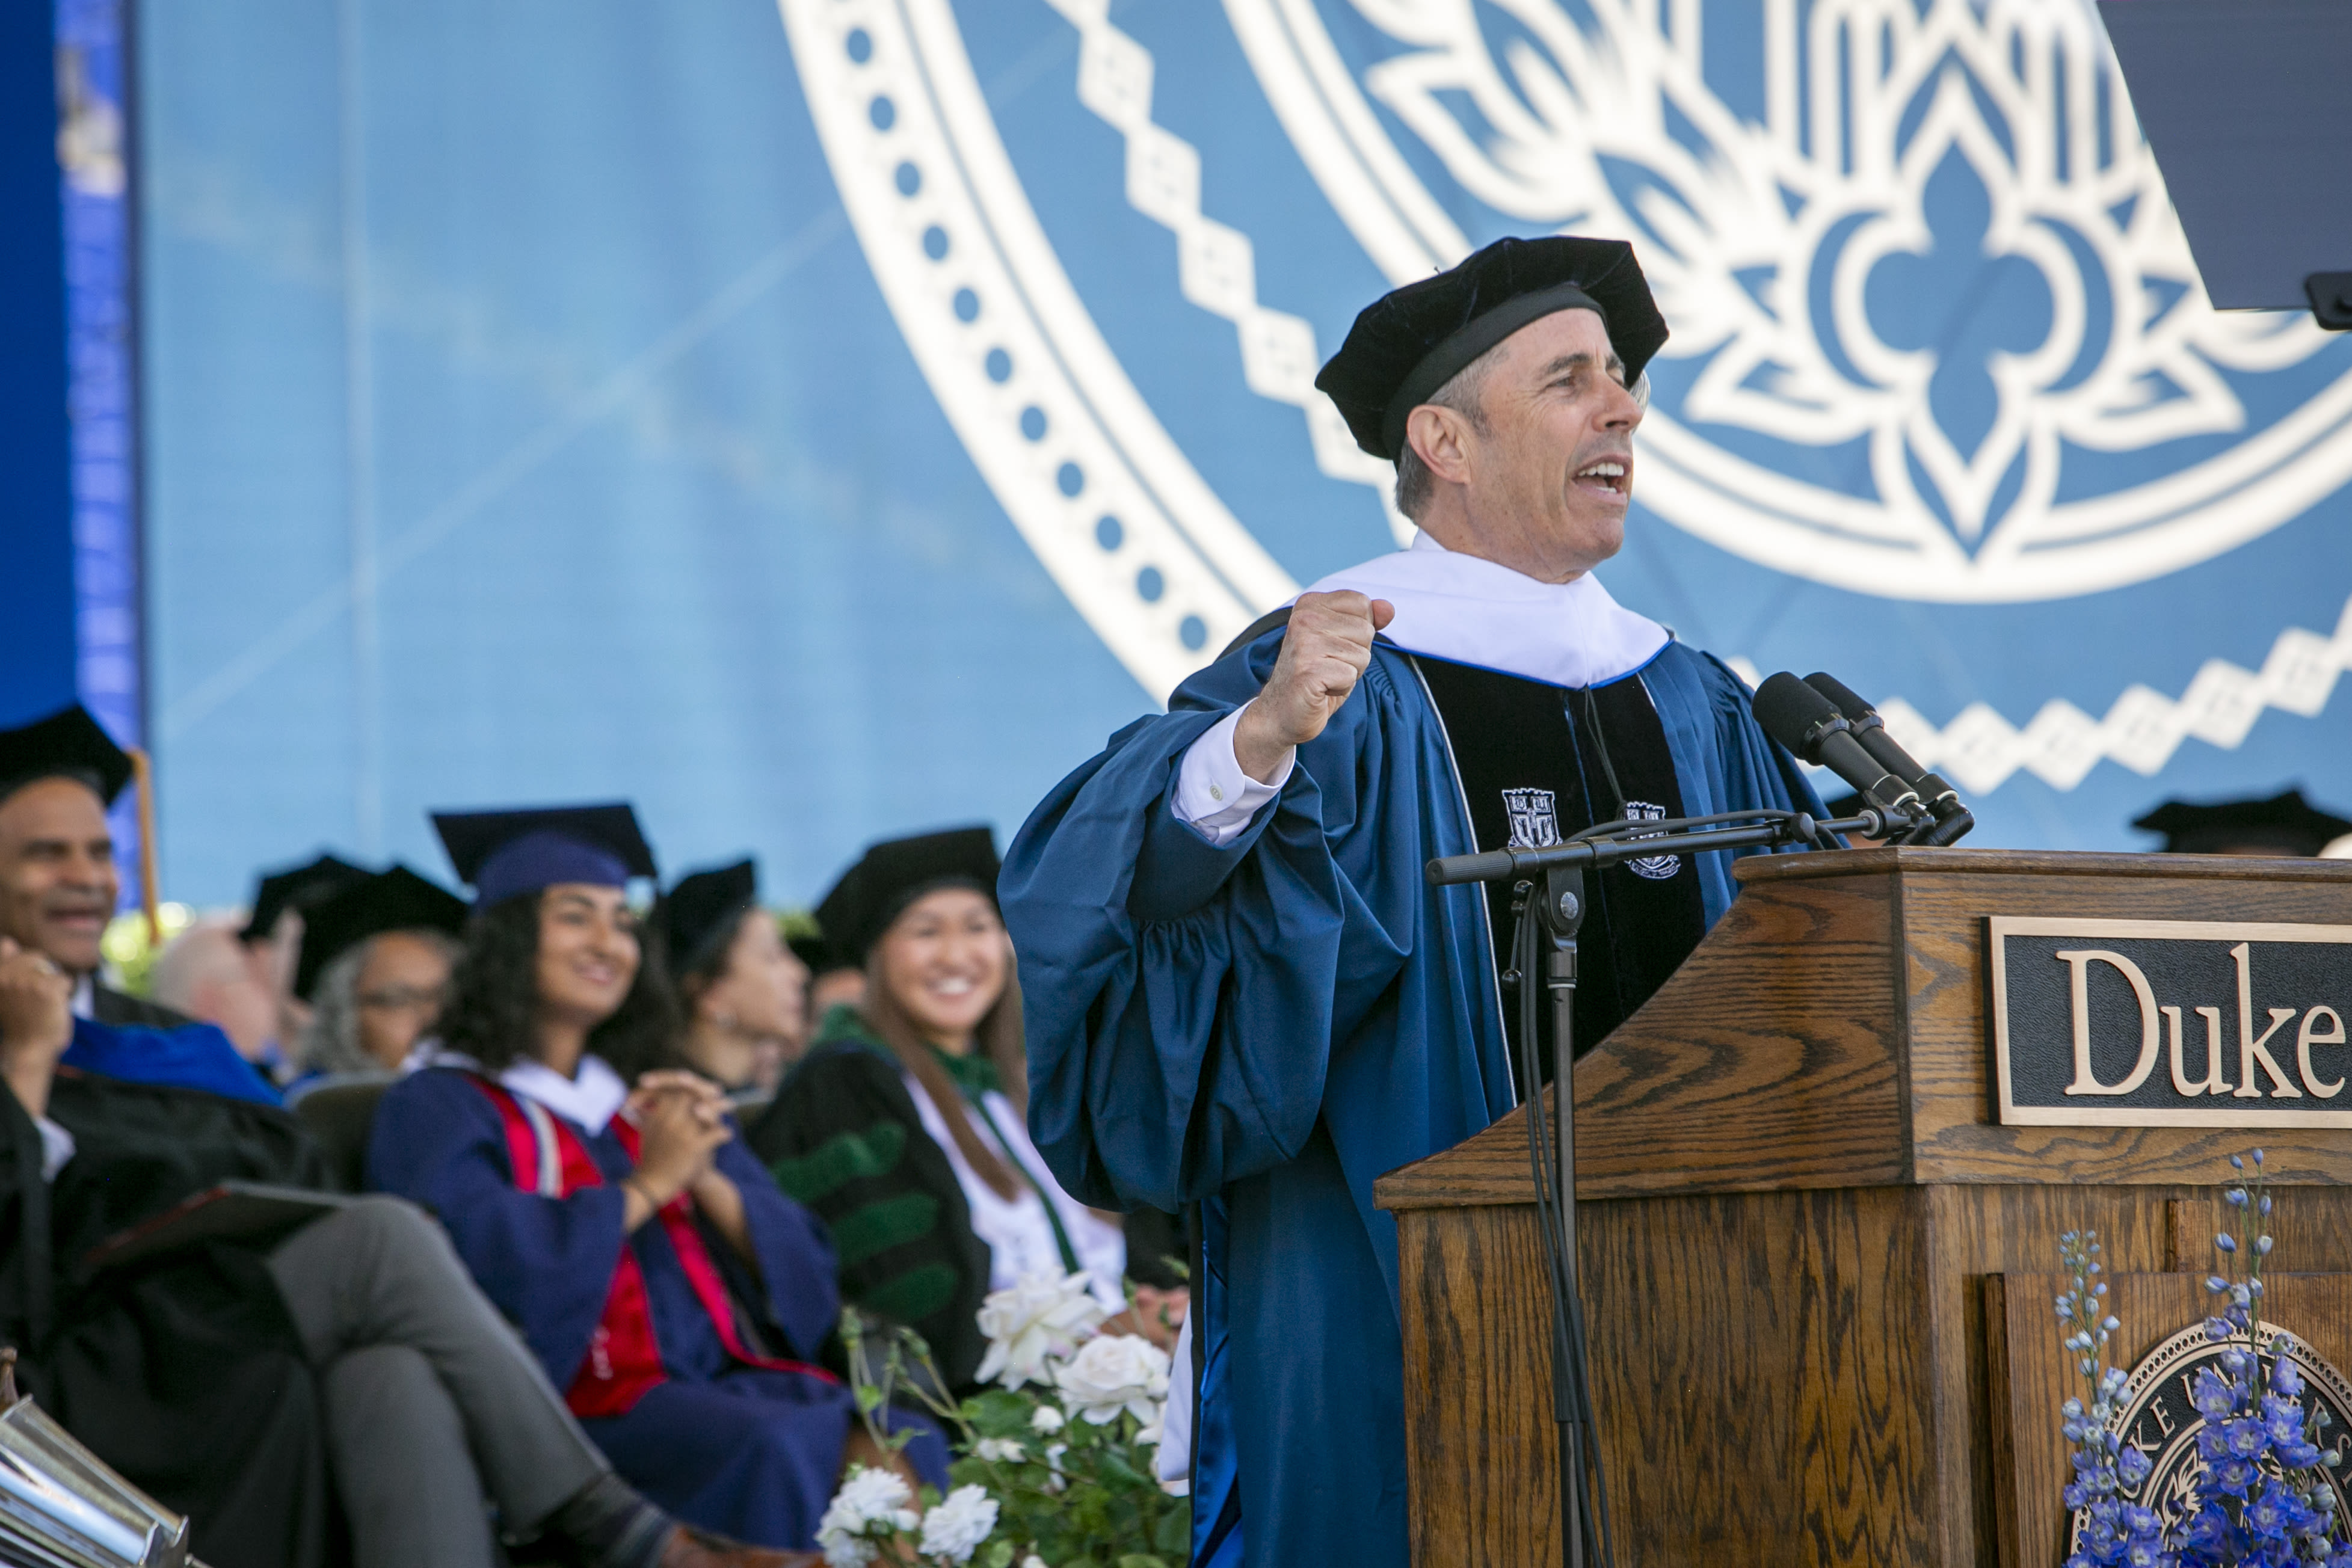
(1558, 914)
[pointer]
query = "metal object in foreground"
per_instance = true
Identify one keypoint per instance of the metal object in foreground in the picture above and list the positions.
(63, 1506)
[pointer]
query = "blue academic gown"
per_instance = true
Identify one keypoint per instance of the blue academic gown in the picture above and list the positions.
(1268, 1026)
(193, 1056)
(749, 1452)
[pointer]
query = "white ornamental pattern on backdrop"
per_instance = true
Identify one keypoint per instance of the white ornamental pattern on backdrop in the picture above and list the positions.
(1795, 190)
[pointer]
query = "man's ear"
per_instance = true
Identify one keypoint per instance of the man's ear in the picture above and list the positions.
(1440, 437)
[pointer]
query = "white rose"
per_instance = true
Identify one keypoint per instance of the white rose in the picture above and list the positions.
(1046, 1419)
(1002, 1450)
(1115, 1373)
(1039, 1317)
(1033, 1561)
(868, 1498)
(957, 1525)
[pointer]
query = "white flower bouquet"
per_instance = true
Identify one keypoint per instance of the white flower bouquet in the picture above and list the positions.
(1053, 1465)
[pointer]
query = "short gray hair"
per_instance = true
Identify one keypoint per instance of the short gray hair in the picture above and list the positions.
(1465, 394)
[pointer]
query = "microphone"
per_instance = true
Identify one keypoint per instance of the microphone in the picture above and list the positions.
(1808, 724)
(1953, 820)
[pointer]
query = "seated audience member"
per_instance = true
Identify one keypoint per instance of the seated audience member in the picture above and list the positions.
(374, 968)
(273, 937)
(662, 1280)
(202, 973)
(904, 1127)
(834, 982)
(744, 993)
(58, 888)
(2282, 825)
(231, 1380)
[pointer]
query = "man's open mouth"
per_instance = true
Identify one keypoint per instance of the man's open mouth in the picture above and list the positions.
(1615, 474)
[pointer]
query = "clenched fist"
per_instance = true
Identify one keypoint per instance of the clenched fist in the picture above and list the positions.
(1327, 645)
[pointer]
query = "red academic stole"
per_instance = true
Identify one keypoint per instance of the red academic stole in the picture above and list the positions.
(624, 1356)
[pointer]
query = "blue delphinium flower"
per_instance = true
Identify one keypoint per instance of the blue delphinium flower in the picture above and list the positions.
(2208, 1534)
(2234, 1476)
(2262, 1492)
(2277, 1514)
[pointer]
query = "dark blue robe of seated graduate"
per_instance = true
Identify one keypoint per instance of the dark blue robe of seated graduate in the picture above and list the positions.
(1267, 1025)
(691, 1367)
(718, 1415)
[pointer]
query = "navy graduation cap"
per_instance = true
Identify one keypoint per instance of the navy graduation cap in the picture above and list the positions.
(67, 744)
(702, 912)
(505, 854)
(297, 887)
(395, 900)
(892, 874)
(1410, 342)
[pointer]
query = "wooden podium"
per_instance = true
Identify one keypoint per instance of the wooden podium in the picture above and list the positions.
(1796, 1205)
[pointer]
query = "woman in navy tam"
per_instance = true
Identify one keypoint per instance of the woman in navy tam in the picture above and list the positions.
(675, 1295)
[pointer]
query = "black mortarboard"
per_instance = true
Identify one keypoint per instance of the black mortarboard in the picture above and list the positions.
(2286, 823)
(1410, 342)
(68, 744)
(892, 874)
(503, 854)
(700, 916)
(816, 953)
(297, 887)
(395, 900)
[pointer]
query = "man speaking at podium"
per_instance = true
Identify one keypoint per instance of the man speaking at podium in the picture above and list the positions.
(1242, 993)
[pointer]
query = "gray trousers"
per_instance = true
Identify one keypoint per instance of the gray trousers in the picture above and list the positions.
(432, 1402)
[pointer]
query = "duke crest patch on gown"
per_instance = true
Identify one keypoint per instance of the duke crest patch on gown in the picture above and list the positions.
(1657, 868)
(1534, 824)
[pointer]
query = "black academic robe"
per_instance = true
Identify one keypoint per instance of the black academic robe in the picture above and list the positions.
(843, 1137)
(121, 1008)
(183, 1372)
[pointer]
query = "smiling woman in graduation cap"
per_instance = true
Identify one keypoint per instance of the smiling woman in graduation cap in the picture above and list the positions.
(904, 1125)
(668, 1289)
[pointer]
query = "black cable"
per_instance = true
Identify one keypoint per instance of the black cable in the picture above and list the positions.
(1571, 1358)
(1600, 745)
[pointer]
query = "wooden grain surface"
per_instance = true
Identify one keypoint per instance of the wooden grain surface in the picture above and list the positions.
(1829, 1032)
(1833, 1343)
(1760, 1401)
(1771, 1060)
(2021, 1333)
(1953, 1134)
(1792, 1196)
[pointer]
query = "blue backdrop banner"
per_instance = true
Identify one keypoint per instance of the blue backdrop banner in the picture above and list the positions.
(830, 418)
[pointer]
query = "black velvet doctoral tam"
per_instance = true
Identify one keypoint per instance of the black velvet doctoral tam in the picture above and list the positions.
(1410, 342)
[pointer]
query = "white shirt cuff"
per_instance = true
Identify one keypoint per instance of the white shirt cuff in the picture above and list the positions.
(1213, 797)
(57, 1147)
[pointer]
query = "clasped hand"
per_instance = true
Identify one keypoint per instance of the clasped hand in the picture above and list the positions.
(681, 1120)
